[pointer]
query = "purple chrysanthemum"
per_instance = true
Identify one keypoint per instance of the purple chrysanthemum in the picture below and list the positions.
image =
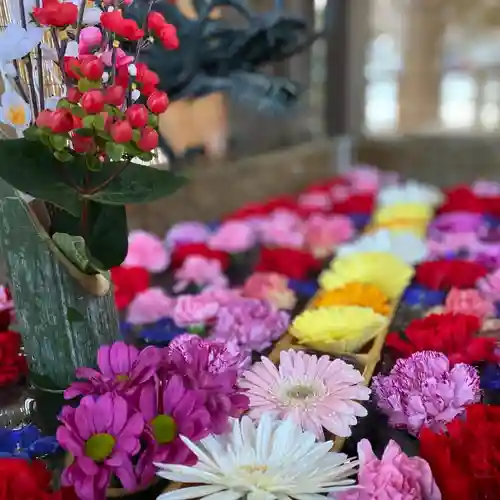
(423, 390)
(122, 369)
(253, 323)
(102, 434)
(211, 371)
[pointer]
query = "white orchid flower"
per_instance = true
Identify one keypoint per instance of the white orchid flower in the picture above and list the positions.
(91, 15)
(16, 42)
(15, 111)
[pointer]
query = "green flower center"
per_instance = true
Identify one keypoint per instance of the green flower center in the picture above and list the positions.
(164, 429)
(300, 392)
(99, 447)
(122, 378)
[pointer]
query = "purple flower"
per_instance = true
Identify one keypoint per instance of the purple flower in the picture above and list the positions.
(423, 390)
(253, 323)
(170, 411)
(102, 434)
(211, 371)
(122, 369)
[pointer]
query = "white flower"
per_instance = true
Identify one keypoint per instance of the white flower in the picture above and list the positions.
(274, 461)
(403, 244)
(91, 15)
(410, 192)
(105, 77)
(16, 42)
(71, 49)
(132, 70)
(135, 95)
(14, 111)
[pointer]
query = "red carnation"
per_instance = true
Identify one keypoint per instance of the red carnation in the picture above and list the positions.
(449, 333)
(182, 252)
(12, 362)
(356, 204)
(446, 274)
(55, 13)
(461, 199)
(295, 264)
(128, 282)
(491, 205)
(465, 461)
(124, 28)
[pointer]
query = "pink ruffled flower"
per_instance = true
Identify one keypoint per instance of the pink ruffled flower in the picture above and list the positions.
(146, 250)
(102, 434)
(90, 38)
(123, 368)
(170, 411)
(150, 306)
(253, 323)
(122, 59)
(469, 302)
(233, 237)
(394, 476)
(489, 286)
(340, 193)
(423, 390)
(194, 310)
(187, 232)
(272, 287)
(364, 179)
(222, 296)
(200, 271)
(324, 233)
(282, 229)
(6, 303)
(486, 188)
(452, 242)
(320, 202)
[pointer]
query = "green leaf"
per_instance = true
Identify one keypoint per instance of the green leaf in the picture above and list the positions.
(93, 163)
(78, 111)
(63, 103)
(85, 85)
(74, 248)
(88, 121)
(146, 156)
(99, 122)
(153, 121)
(84, 132)
(115, 151)
(63, 156)
(59, 142)
(32, 133)
(136, 184)
(136, 135)
(74, 315)
(31, 168)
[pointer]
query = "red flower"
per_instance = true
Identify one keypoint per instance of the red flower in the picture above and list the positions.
(124, 28)
(491, 205)
(6, 310)
(462, 199)
(449, 333)
(55, 13)
(12, 362)
(465, 461)
(263, 209)
(295, 264)
(356, 204)
(182, 252)
(446, 274)
(128, 281)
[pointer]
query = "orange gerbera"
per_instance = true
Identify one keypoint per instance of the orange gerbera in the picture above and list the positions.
(355, 294)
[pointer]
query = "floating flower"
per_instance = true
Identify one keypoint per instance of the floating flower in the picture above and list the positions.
(272, 287)
(199, 271)
(355, 204)
(170, 411)
(295, 264)
(464, 460)
(461, 199)
(194, 310)
(424, 391)
(182, 252)
(395, 475)
(26, 442)
(187, 232)
(150, 306)
(16, 42)
(222, 296)
(210, 370)
(469, 302)
(324, 233)
(410, 192)
(282, 229)
(446, 274)
(14, 111)
(489, 286)
(417, 212)
(303, 288)
(252, 323)
(91, 15)
(102, 434)
(490, 377)
(270, 459)
(485, 188)
(388, 273)
(337, 330)
(161, 333)
(455, 223)
(420, 296)
(316, 393)
(315, 201)
(364, 178)
(452, 243)
(404, 245)
(233, 237)
(123, 368)
(12, 361)
(146, 250)
(455, 335)
(355, 294)
(128, 282)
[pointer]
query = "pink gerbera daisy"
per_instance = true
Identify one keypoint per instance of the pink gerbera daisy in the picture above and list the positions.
(317, 393)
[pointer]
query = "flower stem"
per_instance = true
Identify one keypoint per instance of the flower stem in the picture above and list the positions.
(79, 24)
(39, 64)
(140, 43)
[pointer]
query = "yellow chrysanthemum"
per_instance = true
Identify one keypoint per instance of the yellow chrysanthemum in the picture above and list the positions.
(418, 228)
(337, 330)
(388, 273)
(355, 294)
(408, 211)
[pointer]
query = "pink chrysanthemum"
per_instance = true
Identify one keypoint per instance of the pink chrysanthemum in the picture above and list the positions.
(211, 371)
(423, 390)
(316, 393)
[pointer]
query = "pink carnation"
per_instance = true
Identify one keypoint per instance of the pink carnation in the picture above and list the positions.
(394, 476)
(446, 243)
(319, 201)
(282, 229)
(222, 296)
(233, 237)
(199, 271)
(187, 232)
(364, 178)
(272, 287)
(146, 250)
(489, 286)
(150, 306)
(193, 310)
(469, 302)
(324, 233)
(486, 188)
(122, 59)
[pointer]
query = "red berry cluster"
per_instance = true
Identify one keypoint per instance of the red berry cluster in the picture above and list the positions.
(121, 27)
(56, 13)
(159, 28)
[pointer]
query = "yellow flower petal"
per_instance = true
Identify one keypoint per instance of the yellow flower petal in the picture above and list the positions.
(408, 211)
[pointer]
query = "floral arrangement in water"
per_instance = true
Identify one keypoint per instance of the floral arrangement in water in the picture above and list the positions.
(79, 152)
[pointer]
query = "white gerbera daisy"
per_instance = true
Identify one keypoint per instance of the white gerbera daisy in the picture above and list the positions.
(274, 461)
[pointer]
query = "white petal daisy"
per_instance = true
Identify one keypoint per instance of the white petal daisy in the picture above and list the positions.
(410, 192)
(14, 111)
(274, 460)
(16, 42)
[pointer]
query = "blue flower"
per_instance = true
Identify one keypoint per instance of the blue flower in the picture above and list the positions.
(417, 295)
(26, 442)
(360, 220)
(214, 225)
(160, 333)
(303, 288)
(490, 377)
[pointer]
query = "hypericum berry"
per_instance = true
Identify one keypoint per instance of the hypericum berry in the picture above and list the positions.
(156, 21)
(72, 67)
(121, 132)
(82, 144)
(158, 102)
(44, 119)
(93, 102)
(62, 121)
(137, 115)
(74, 95)
(92, 69)
(168, 37)
(115, 95)
(149, 139)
